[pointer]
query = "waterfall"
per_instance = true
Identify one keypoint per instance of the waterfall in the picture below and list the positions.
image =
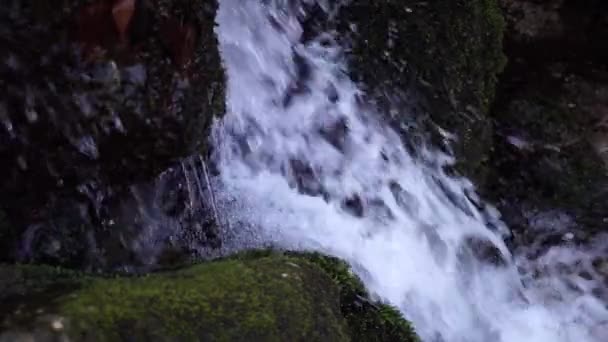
(305, 163)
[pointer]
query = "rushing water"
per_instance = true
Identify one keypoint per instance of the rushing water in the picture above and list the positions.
(306, 164)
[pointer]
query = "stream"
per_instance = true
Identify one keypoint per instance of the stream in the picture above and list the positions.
(305, 163)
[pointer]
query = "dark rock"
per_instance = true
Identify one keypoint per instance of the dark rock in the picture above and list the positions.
(89, 111)
(484, 251)
(353, 205)
(427, 64)
(557, 30)
(336, 133)
(549, 116)
(305, 179)
(404, 199)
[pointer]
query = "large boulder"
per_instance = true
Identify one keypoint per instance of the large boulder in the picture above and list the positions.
(430, 64)
(550, 115)
(549, 154)
(260, 296)
(99, 99)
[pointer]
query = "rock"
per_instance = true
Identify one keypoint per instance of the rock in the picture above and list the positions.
(102, 98)
(6, 228)
(559, 29)
(483, 251)
(261, 296)
(561, 167)
(560, 171)
(549, 135)
(530, 20)
(429, 63)
(601, 267)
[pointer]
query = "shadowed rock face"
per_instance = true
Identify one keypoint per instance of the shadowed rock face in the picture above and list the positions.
(561, 29)
(98, 97)
(549, 117)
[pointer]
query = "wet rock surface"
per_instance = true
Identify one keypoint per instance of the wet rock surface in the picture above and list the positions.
(549, 119)
(430, 66)
(556, 30)
(100, 98)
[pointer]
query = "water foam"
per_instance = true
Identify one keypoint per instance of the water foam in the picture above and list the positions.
(306, 164)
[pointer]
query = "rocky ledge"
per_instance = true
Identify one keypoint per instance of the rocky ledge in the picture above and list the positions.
(256, 296)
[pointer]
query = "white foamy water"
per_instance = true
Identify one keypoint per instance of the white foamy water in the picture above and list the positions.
(306, 164)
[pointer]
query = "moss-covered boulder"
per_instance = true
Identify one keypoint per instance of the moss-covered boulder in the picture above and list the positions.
(99, 98)
(367, 320)
(262, 296)
(427, 63)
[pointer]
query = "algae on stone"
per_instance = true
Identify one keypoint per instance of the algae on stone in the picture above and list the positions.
(442, 56)
(263, 296)
(367, 320)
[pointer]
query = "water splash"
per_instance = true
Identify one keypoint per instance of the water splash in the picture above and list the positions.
(306, 163)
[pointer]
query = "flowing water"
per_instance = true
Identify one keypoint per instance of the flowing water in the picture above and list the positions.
(305, 163)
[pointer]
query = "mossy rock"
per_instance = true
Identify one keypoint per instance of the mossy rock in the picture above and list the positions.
(428, 63)
(367, 320)
(261, 296)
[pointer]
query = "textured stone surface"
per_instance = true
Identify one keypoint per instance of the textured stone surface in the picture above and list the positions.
(428, 64)
(549, 117)
(91, 109)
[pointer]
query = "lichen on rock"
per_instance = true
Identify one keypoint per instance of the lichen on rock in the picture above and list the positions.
(261, 296)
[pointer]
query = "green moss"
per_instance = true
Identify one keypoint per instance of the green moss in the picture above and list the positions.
(448, 53)
(227, 301)
(255, 296)
(367, 320)
(454, 46)
(22, 280)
